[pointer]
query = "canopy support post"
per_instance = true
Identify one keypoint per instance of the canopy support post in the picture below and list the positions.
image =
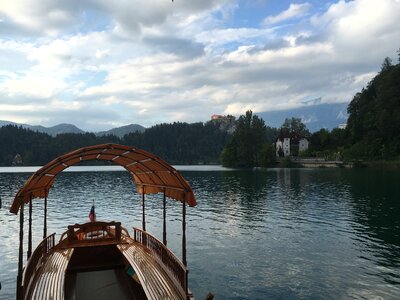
(184, 243)
(184, 232)
(30, 229)
(164, 220)
(143, 211)
(45, 216)
(21, 250)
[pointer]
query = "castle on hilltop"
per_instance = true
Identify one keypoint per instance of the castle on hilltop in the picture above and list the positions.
(225, 123)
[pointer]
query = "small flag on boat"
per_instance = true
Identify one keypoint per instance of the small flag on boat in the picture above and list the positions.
(92, 215)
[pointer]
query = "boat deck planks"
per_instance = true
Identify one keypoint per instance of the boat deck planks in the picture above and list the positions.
(50, 279)
(155, 280)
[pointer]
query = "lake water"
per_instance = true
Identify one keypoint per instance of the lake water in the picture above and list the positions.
(274, 234)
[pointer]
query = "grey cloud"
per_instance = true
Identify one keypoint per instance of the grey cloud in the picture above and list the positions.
(276, 44)
(43, 13)
(181, 47)
(21, 100)
(10, 29)
(71, 14)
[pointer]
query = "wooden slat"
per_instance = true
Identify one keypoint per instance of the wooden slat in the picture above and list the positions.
(156, 283)
(50, 279)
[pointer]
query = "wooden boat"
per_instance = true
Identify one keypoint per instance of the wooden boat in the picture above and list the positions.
(101, 260)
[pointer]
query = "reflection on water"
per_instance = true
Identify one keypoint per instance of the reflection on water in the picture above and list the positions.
(255, 234)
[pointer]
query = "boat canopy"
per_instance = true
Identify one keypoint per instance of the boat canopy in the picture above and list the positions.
(150, 173)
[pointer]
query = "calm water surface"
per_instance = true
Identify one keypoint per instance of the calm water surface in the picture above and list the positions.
(276, 234)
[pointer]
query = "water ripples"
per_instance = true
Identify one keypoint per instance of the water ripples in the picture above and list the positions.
(254, 235)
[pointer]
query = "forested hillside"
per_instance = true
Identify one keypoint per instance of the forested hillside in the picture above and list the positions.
(182, 143)
(178, 143)
(374, 116)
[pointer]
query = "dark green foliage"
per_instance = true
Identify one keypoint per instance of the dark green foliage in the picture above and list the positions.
(177, 143)
(387, 64)
(374, 116)
(294, 128)
(338, 137)
(181, 143)
(325, 140)
(319, 140)
(398, 53)
(229, 154)
(268, 155)
(32, 146)
(271, 134)
(244, 148)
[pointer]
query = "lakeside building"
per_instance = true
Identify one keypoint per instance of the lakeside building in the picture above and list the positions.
(217, 117)
(303, 144)
(283, 145)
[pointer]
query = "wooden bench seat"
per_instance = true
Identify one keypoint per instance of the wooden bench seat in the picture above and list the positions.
(156, 283)
(50, 278)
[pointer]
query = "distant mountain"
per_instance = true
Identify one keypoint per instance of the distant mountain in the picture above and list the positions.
(4, 123)
(121, 131)
(314, 116)
(69, 128)
(53, 131)
(57, 129)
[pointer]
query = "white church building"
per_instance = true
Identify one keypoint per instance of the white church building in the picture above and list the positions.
(283, 145)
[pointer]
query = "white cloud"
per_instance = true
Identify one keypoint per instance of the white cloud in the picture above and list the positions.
(294, 11)
(33, 85)
(361, 29)
(181, 61)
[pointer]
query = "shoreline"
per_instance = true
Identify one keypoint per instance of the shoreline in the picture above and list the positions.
(321, 163)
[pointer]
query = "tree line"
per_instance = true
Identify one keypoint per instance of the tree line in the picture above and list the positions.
(177, 143)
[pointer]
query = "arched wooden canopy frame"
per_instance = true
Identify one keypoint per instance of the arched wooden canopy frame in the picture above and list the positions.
(150, 173)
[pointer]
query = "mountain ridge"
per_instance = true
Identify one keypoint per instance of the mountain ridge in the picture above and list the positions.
(122, 130)
(70, 128)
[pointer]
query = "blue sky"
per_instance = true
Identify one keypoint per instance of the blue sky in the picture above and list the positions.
(100, 64)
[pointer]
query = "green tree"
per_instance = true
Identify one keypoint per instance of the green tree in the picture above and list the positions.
(268, 155)
(244, 148)
(398, 53)
(294, 128)
(229, 157)
(271, 134)
(320, 140)
(338, 137)
(387, 64)
(373, 126)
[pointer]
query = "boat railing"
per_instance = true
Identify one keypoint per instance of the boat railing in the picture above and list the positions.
(93, 232)
(36, 261)
(168, 258)
(124, 231)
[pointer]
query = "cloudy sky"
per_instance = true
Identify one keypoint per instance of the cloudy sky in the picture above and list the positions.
(100, 64)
